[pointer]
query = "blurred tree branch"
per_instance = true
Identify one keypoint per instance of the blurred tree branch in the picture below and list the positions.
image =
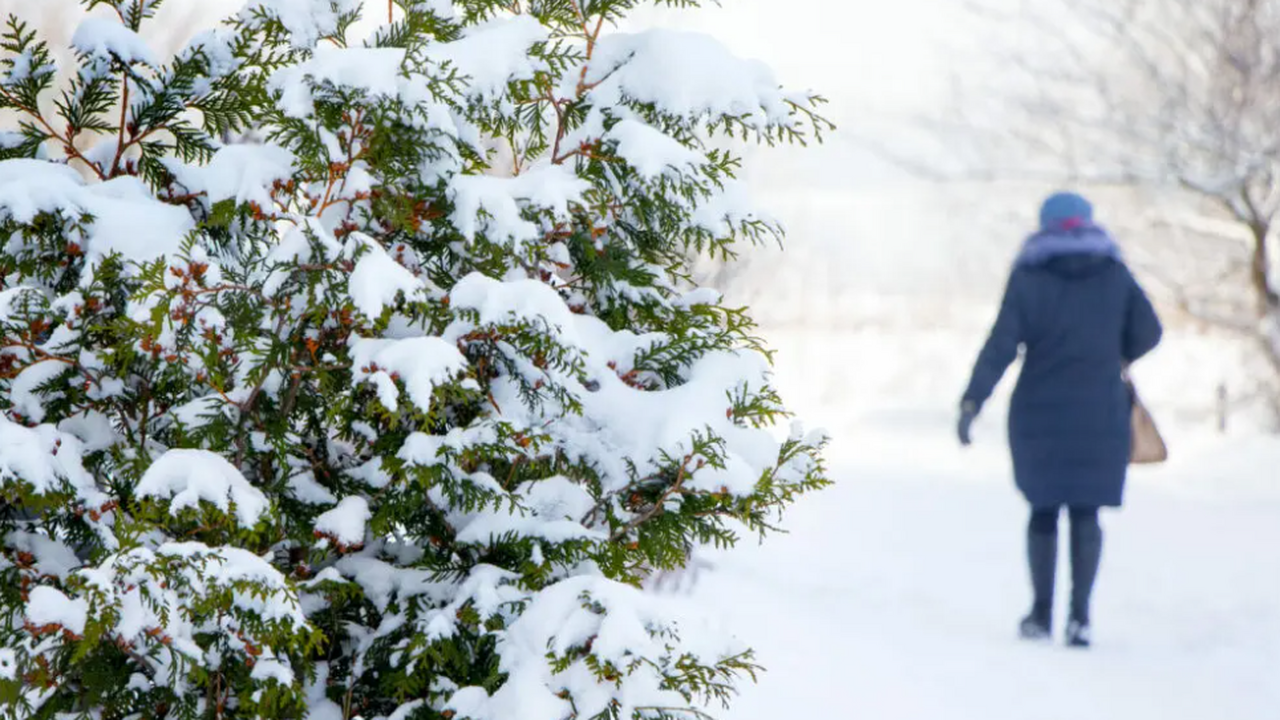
(1177, 96)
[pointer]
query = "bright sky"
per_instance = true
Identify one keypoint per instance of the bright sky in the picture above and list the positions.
(881, 52)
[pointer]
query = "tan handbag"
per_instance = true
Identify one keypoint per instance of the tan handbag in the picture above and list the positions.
(1148, 447)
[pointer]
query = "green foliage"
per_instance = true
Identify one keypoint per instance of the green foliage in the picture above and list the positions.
(569, 392)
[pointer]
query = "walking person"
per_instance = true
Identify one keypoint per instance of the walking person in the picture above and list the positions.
(1080, 318)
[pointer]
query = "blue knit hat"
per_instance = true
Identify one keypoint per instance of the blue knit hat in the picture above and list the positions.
(1065, 210)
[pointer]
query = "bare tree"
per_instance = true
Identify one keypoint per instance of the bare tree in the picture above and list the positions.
(1180, 97)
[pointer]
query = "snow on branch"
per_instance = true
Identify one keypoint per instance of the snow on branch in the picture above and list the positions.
(493, 54)
(126, 218)
(106, 38)
(46, 460)
(422, 364)
(376, 71)
(306, 22)
(187, 478)
(687, 74)
(345, 523)
(243, 173)
(496, 206)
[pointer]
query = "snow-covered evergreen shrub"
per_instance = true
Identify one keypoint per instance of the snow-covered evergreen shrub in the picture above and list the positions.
(364, 377)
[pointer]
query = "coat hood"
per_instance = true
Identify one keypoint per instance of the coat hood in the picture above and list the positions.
(1086, 242)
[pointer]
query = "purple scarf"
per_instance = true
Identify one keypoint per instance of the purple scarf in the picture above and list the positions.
(1046, 245)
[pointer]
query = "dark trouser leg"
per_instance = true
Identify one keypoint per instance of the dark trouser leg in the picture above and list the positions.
(1086, 553)
(1042, 556)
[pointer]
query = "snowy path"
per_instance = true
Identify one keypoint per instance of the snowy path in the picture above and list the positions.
(897, 592)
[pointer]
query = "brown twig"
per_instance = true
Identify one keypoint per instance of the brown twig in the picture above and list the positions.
(592, 37)
(660, 504)
(68, 143)
(124, 119)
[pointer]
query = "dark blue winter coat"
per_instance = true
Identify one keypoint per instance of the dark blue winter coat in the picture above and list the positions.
(1079, 317)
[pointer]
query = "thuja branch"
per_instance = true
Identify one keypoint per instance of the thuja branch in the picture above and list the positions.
(659, 505)
(67, 143)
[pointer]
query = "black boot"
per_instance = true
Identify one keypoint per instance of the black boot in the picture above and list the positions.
(1086, 555)
(1035, 626)
(1078, 634)
(1042, 558)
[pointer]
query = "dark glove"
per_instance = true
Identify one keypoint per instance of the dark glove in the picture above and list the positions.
(968, 413)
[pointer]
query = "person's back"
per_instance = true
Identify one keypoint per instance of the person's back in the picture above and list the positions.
(1070, 412)
(1076, 317)
(1080, 317)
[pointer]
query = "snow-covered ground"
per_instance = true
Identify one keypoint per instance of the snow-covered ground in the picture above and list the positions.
(897, 591)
